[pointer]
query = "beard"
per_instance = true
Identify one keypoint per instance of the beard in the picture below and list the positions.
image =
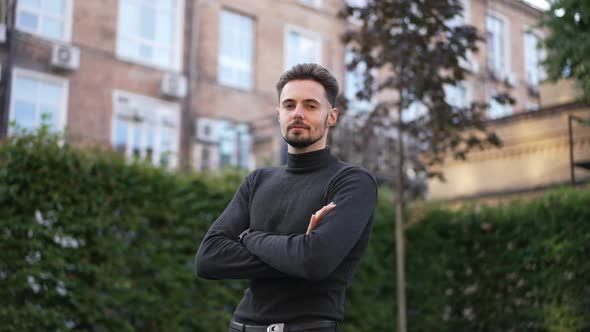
(300, 141)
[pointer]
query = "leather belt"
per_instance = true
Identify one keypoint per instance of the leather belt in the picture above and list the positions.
(282, 327)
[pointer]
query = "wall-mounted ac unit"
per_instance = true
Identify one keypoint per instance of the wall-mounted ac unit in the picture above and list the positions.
(207, 130)
(174, 85)
(2, 33)
(65, 57)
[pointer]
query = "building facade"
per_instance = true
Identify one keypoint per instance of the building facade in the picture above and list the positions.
(536, 146)
(188, 84)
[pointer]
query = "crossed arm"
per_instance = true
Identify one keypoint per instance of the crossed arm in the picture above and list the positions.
(313, 255)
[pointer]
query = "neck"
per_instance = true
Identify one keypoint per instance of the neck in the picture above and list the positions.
(319, 145)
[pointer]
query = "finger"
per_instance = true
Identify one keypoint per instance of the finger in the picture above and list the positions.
(322, 212)
(312, 223)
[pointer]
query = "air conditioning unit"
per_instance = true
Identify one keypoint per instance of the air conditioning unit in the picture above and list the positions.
(207, 130)
(65, 56)
(174, 85)
(2, 33)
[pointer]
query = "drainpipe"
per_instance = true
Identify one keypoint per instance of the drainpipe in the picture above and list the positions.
(9, 64)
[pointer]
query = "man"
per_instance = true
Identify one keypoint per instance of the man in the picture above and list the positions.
(296, 232)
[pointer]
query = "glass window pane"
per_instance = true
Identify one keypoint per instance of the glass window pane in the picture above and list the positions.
(137, 144)
(128, 48)
(52, 28)
(28, 21)
(150, 142)
(50, 93)
(129, 19)
(165, 29)
(49, 115)
(54, 7)
(25, 88)
(145, 52)
(24, 114)
(162, 57)
(30, 3)
(148, 22)
(120, 135)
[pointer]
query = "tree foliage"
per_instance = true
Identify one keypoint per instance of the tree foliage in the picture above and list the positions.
(410, 52)
(568, 44)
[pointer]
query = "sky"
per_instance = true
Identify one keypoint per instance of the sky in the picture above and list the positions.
(539, 3)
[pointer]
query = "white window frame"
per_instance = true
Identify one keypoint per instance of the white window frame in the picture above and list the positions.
(306, 33)
(164, 111)
(67, 19)
(63, 82)
(177, 47)
(541, 74)
(503, 72)
(237, 63)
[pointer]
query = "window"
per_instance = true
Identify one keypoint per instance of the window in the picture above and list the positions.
(497, 110)
(234, 145)
(302, 47)
(462, 18)
(314, 3)
(496, 44)
(47, 18)
(354, 82)
(146, 128)
(533, 57)
(38, 99)
(235, 50)
(456, 95)
(149, 32)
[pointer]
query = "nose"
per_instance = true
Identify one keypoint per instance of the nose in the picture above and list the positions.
(299, 112)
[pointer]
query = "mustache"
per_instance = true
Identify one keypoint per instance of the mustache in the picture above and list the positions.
(298, 124)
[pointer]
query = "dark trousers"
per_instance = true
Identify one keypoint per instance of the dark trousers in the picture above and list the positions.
(325, 329)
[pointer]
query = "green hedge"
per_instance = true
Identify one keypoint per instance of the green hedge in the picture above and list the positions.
(89, 242)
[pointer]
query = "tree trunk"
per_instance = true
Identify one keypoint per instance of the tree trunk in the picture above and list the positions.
(399, 227)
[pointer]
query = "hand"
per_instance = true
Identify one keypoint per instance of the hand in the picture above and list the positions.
(316, 217)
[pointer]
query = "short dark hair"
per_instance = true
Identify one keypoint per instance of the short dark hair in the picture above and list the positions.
(314, 72)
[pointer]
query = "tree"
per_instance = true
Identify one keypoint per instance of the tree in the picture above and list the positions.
(410, 52)
(568, 45)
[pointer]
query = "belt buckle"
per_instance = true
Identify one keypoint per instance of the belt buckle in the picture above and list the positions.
(275, 327)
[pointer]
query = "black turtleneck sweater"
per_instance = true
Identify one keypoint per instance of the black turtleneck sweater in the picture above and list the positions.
(292, 275)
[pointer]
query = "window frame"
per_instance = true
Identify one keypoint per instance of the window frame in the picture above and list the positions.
(177, 47)
(305, 32)
(173, 109)
(237, 85)
(541, 73)
(67, 22)
(39, 76)
(503, 72)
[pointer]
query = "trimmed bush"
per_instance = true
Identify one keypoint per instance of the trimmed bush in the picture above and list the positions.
(89, 242)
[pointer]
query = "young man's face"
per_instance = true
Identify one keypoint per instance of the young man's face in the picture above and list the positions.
(305, 114)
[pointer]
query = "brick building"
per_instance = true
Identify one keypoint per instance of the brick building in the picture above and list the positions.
(536, 145)
(185, 83)
(190, 83)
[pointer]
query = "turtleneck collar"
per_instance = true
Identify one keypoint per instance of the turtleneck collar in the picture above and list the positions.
(309, 161)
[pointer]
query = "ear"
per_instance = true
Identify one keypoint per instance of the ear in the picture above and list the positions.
(332, 117)
(278, 114)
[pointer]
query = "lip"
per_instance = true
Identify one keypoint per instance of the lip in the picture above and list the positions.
(298, 126)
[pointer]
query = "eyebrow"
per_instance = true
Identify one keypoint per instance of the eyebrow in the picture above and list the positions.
(309, 100)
